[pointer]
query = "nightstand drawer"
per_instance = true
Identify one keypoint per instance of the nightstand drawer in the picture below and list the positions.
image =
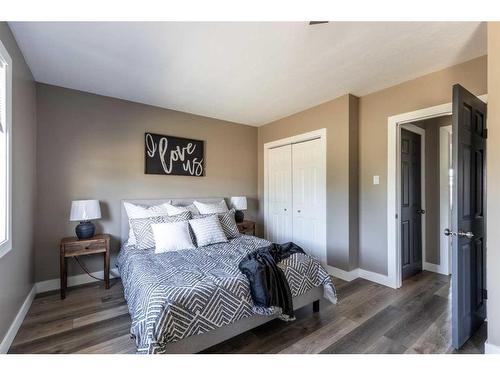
(246, 227)
(72, 249)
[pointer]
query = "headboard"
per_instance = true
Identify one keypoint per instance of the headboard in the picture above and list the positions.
(124, 227)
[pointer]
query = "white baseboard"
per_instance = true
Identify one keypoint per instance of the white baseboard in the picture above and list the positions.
(45, 286)
(341, 274)
(40, 287)
(359, 272)
(376, 278)
(54, 284)
(16, 323)
(436, 268)
(491, 349)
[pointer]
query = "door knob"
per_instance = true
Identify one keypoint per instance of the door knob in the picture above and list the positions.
(285, 209)
(469, 234)
(460, 233)
(420, 211)
(298, 211)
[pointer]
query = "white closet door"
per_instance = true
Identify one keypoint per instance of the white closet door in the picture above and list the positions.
(279, 220)
(309, 197)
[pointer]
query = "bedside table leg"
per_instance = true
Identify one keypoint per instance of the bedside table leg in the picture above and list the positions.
(316, 306)
(106, 269)
(63, 275)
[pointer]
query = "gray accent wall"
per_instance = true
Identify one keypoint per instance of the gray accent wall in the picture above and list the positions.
(17, 266)
(92, 146)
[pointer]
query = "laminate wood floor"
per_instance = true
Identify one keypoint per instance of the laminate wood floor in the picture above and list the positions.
(369, 318)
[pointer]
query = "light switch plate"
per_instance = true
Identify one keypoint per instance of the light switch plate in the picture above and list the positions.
(376, 180)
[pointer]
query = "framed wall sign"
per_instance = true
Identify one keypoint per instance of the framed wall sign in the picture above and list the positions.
(168, 155)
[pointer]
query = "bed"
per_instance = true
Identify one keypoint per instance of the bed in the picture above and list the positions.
(186, 301)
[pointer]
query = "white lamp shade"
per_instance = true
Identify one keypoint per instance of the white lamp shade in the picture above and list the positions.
(85, 210)
(239, 203)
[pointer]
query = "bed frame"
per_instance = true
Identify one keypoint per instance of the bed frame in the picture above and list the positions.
(197, 343)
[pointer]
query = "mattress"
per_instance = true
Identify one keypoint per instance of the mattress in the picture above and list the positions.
(178, 294)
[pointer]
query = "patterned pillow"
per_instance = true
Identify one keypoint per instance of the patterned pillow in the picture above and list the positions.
(143, 232)
(176, 210)
(211, 208)
(227, 222)
(207, 230)
(135, 211)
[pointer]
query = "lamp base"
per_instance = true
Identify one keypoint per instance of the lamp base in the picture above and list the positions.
(239, 216)
(85, 230)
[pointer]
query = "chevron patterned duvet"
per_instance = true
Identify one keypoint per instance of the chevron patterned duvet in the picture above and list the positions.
(174, 295)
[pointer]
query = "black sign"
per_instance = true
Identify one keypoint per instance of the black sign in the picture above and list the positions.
(164, 154)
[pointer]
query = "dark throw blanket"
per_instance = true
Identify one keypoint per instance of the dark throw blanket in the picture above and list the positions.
(268, 284)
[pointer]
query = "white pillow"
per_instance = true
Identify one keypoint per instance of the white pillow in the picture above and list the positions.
(176, 210)
(172, 237)
(211, 208)
(207, 230)
(135, 211)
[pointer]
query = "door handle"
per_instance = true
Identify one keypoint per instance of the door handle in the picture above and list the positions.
(460, 233)
(420, 211)
(469, 234)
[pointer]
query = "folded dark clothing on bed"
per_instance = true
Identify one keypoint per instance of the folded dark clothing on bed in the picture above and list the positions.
(268, 284)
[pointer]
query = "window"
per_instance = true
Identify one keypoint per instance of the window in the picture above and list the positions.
(5, 150)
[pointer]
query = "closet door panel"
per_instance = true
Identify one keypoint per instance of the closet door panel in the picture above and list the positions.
(279, 220)
(307, 185)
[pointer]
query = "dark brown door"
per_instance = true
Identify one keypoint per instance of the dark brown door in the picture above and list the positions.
(411, 210)
(468, 215)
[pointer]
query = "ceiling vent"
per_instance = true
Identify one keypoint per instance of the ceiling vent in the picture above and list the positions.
(311, 23)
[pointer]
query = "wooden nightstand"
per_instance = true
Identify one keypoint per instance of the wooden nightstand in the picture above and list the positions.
(247, 227)
(72, 246)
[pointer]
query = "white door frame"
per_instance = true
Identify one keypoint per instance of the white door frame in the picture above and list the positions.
(420, 131)
(309, 136)
(444, 199)
(393, 226)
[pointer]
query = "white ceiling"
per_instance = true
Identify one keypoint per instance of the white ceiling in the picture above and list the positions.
(250, 73)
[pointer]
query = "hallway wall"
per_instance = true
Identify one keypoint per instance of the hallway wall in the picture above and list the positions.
(433, 232)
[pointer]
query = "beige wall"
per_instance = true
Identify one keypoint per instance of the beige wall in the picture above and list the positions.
(423, 92)
(357, 151)
(16, 267)
(432, 188)
(493, 182)
(339, 117)
(353, 182)
(91, 146)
